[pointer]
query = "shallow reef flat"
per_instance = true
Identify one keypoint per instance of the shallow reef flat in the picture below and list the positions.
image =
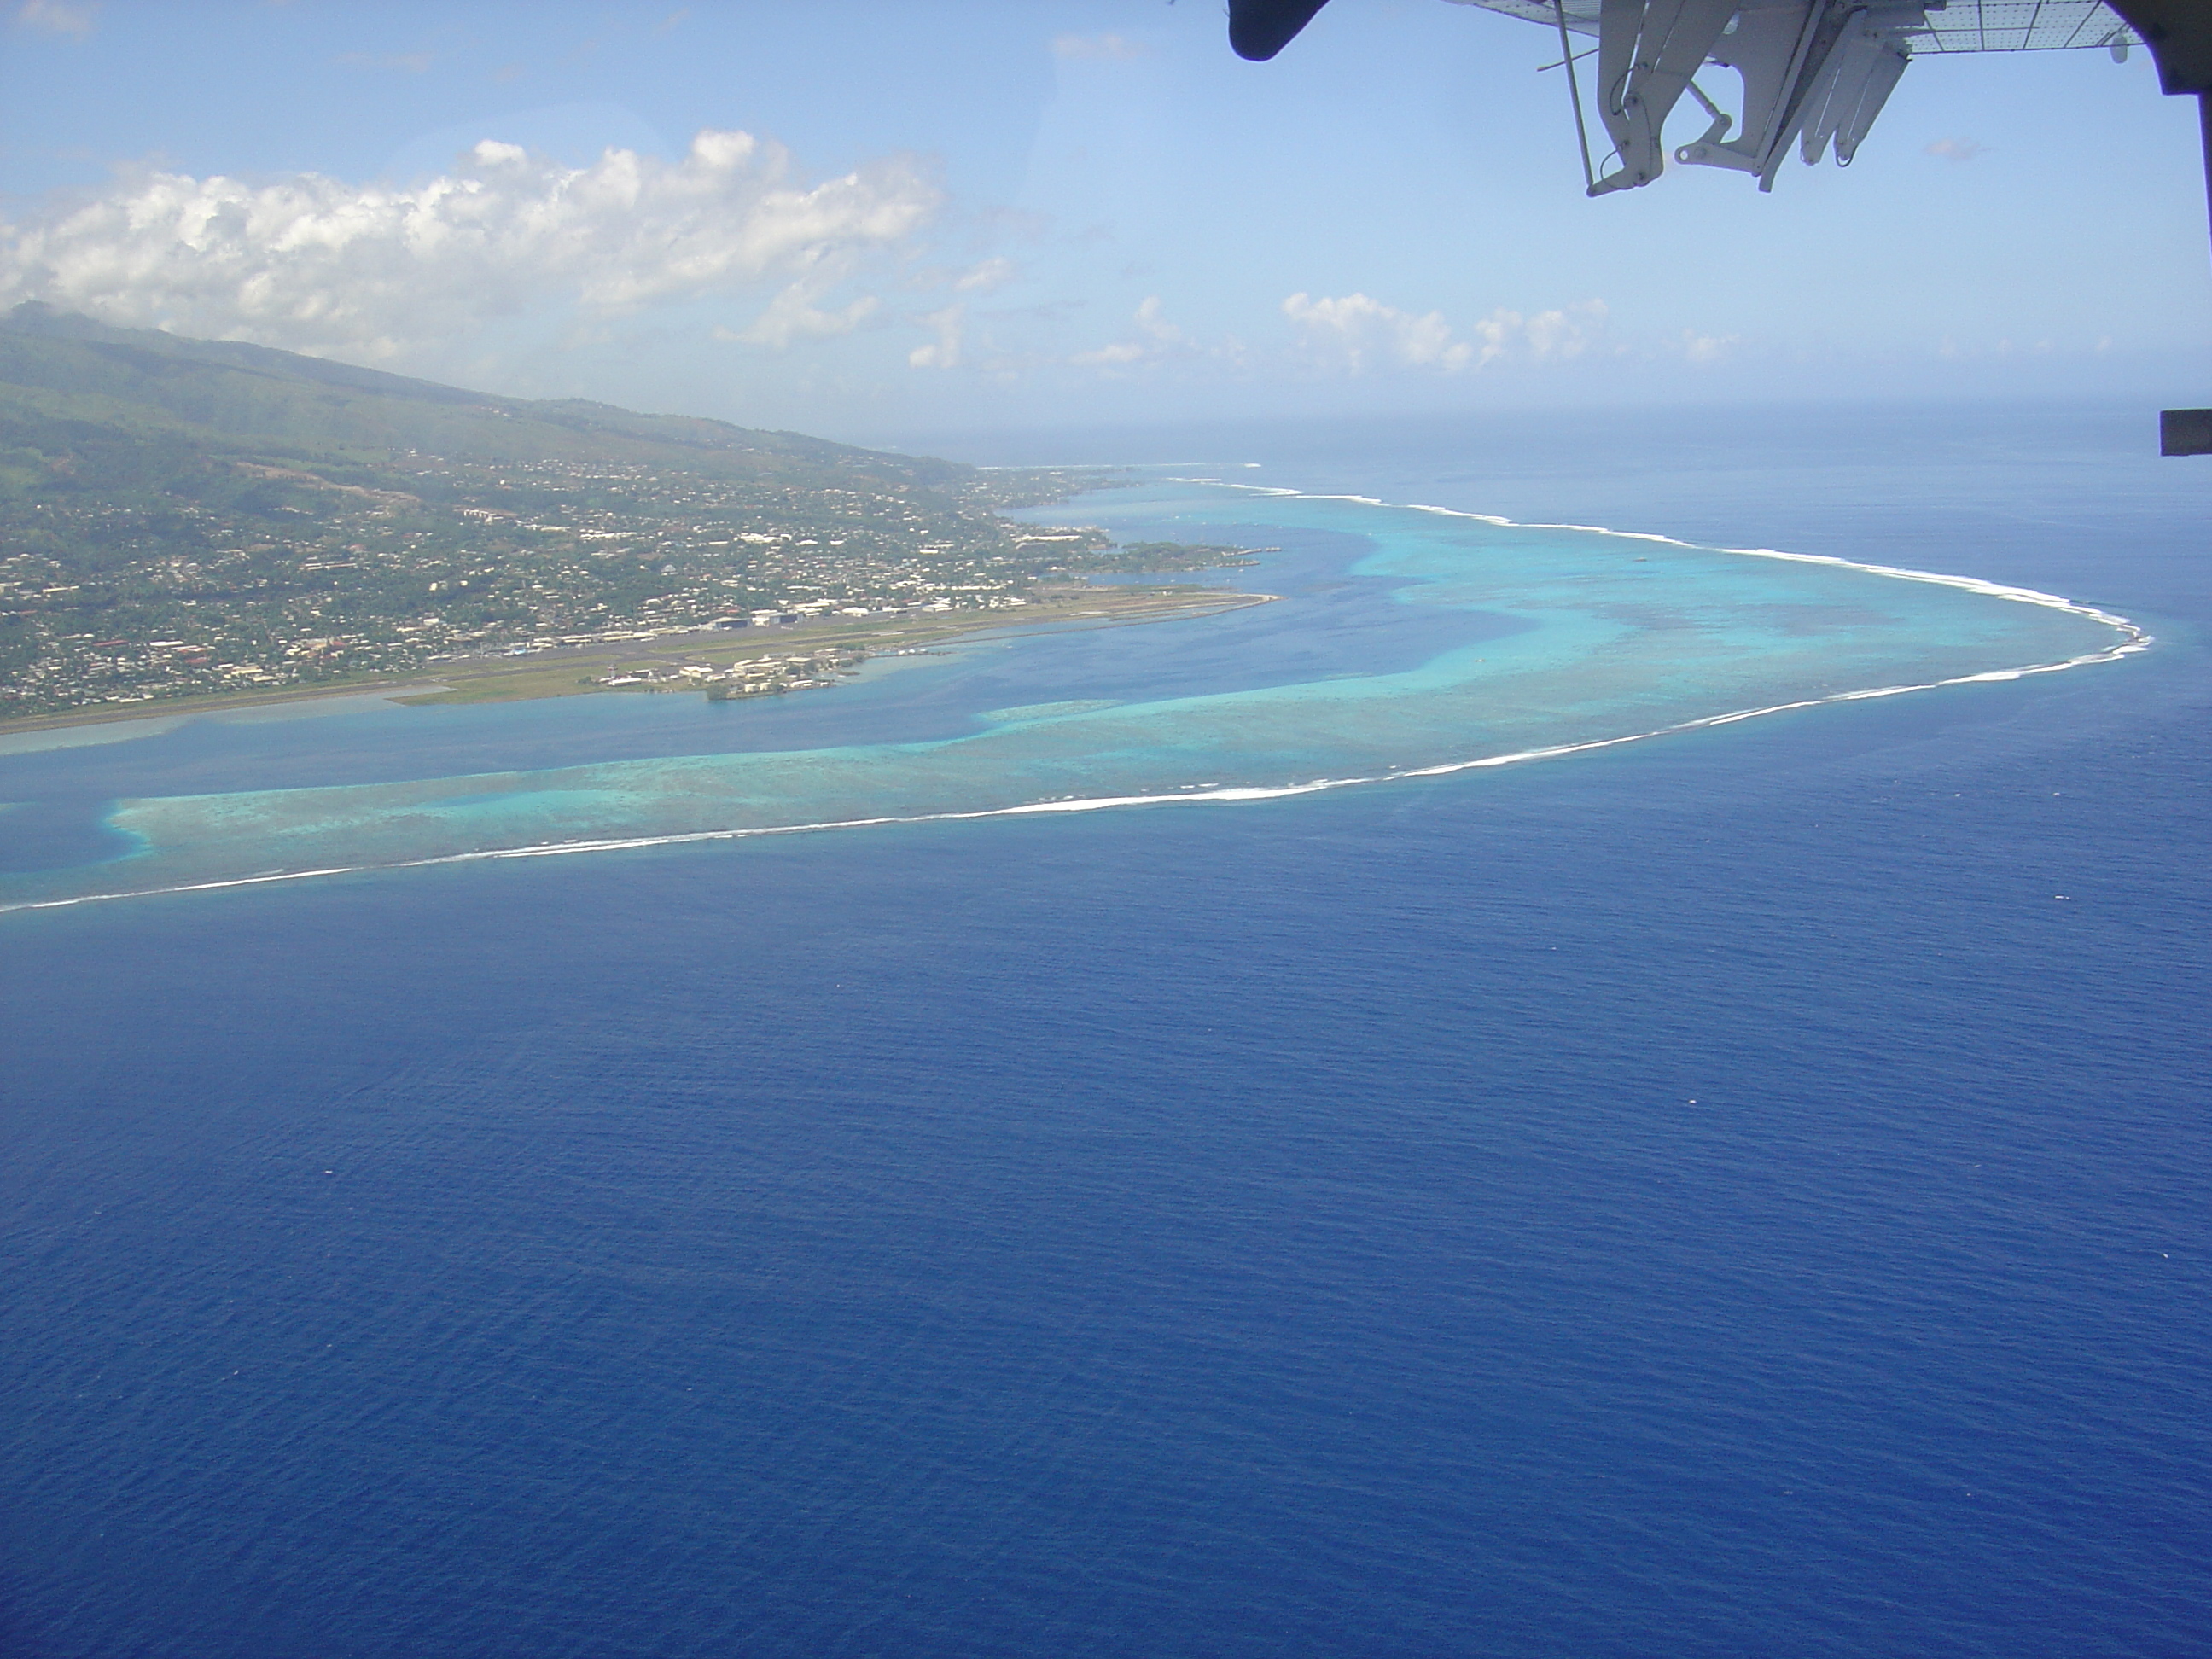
(1574, 639)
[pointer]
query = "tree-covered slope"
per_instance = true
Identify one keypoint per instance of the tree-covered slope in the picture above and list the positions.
(58, 366)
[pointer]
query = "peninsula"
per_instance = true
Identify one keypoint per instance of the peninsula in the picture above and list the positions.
(185, 522)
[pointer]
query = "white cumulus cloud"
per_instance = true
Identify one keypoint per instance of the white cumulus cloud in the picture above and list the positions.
(1152, 337)
(1359, 335)
(792, 316)
(1556, 336)
(57, 17)
(1705, 348)
(993, 273)
(951, 326)
(319, 264)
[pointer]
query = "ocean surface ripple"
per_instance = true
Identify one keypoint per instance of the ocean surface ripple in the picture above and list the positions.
(1732, 1196)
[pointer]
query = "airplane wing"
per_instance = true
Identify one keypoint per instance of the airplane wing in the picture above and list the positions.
(1962, 26)
(1814, 72)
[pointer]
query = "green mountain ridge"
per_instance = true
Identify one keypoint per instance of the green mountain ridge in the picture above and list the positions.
(58, 366)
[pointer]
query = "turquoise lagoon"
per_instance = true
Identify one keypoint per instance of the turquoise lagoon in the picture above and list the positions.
(1490, 643)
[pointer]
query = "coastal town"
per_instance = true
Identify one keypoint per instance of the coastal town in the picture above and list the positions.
(268, 580)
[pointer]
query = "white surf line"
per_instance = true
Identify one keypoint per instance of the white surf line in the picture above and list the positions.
(2137, 638)
(1232, 793)
(623, 843)
(2134, 639)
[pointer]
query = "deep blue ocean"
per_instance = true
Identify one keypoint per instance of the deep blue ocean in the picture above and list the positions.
(1741, 1194)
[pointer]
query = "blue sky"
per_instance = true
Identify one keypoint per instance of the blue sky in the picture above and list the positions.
(985, 212)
